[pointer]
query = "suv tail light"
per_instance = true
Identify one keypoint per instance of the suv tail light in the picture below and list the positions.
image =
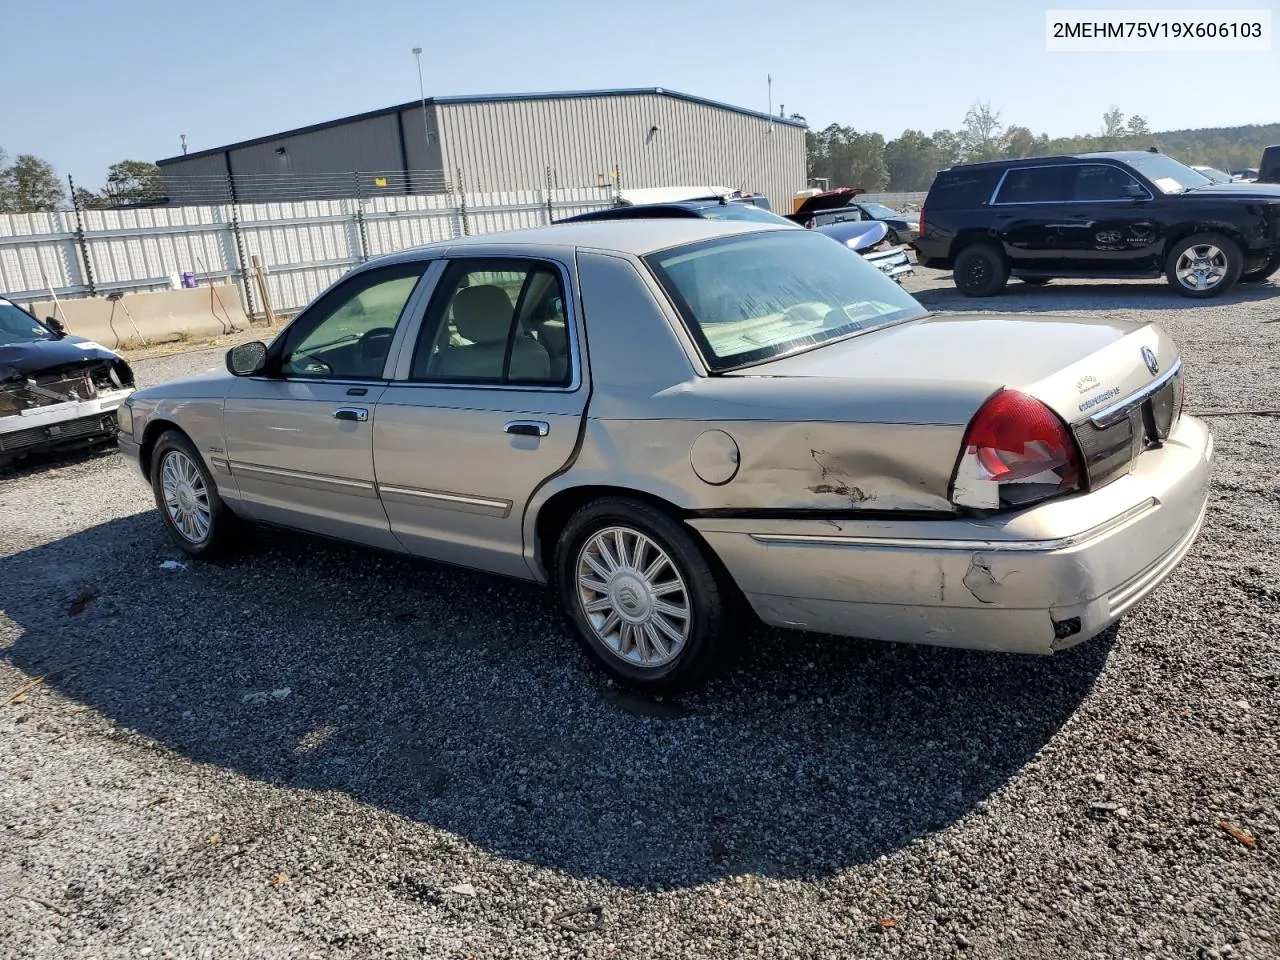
(1016, 452)
(920, 225)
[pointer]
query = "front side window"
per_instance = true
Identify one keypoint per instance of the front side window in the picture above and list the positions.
(752, 298)
(347, 335)
(497, 322)
(1033, 185)
(1097, 181)
(18, 326)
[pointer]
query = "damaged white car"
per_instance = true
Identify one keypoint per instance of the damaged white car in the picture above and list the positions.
(56, 390)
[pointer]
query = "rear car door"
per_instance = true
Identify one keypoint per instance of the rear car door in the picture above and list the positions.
(1109, 225)
(486, 405)
(1027, 207)
(300, 438)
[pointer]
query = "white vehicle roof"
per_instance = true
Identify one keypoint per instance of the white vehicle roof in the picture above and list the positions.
(671, 194)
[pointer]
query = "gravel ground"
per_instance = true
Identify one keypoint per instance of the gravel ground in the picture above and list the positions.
(315, 751)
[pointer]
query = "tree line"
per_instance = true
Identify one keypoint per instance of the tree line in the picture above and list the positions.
(848, 157)
(31, 185)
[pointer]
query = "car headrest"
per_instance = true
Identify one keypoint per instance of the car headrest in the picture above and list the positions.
(483, 314)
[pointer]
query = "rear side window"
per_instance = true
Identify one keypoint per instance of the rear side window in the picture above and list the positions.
(961, 188)
(1033, 185)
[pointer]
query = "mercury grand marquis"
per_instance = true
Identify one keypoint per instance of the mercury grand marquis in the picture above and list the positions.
(670, 421)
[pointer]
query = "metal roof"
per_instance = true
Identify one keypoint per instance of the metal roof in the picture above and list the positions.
(486, 98)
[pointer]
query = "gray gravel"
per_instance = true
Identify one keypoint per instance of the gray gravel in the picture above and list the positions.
(315, 751)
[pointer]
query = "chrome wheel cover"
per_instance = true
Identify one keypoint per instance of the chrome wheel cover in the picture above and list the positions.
(633, 597)
(186, 499)
(1201, 267)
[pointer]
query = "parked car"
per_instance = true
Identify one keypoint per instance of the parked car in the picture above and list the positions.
(672, 420)
(1098, 215)
(1249, 174)
(55, 389)
(901, 228)
(868, 240)
(678, 194)
(1269, 169)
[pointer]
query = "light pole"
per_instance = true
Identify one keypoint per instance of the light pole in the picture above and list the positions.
(422, 97)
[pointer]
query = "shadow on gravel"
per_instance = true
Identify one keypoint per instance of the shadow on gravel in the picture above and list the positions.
(458, 700)
(1058, 297)
(68, 456)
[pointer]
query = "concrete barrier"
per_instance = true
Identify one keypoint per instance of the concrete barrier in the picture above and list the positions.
(166, 315)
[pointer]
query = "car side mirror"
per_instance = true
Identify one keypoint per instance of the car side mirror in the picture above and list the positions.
(1134, 191)
(56, 325)
(247, 359)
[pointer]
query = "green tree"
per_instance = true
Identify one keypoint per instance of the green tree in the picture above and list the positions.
(133, 180)
(848, 158)
(1113, 127)
(1018, 142)
(1137, 127)
(981, 134)
(912, 159)
(30, 185)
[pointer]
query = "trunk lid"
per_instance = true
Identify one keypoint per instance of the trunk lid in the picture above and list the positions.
(1075, 365)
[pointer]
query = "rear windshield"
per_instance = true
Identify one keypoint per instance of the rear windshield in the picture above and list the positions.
(743, 211)
(18, 326)
(960, 188)
(748, 299)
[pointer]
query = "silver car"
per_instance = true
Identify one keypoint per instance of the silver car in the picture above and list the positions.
(671, 421)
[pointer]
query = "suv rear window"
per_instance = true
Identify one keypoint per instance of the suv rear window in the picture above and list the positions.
(960, 188)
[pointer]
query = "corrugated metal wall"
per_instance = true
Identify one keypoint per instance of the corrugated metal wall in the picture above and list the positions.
(508, 145)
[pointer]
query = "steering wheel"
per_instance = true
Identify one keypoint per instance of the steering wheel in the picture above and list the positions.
(375, 343)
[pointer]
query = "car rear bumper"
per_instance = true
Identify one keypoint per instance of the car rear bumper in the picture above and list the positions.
(1037, 581)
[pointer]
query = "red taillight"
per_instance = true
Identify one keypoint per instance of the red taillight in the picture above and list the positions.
(1016, 452)
(920, 225)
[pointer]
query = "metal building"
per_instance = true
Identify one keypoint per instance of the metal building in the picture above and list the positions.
(611, 139)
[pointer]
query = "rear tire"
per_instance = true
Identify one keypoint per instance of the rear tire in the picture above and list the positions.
(1204, 265)
(980, 271)
(642, 595)
(196, 517)
(1264, 272)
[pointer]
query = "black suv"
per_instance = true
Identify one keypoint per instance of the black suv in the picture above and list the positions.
(1098, 216)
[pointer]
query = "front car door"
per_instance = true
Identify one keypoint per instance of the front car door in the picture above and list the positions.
(300, 436)
(1110, 227)
(487, 404)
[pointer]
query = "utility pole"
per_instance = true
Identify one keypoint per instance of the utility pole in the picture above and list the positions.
(422, 98)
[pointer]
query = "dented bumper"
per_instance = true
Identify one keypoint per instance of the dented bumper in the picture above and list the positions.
(1036, 581)
(45, 427)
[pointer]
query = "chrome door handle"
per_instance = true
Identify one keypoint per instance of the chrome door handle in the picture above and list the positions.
(354, 414)
(528, 428)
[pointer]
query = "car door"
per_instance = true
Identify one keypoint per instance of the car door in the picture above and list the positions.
(1109, 227)
(486, 405)
(1027, 206)
(300, 437)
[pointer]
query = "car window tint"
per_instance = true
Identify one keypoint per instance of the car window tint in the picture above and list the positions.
(502, 323)
(347, 335)
(1098, 182)
(1032, 185)
(17, 326)
(956, 189)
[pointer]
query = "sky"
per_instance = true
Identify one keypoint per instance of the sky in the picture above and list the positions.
(88, 83)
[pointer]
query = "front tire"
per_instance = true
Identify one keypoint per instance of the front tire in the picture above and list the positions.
(195, 516)
(643, 598)
(1204, 265)
(980, 271)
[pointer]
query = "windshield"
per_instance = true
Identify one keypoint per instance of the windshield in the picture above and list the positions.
(1217, 176)
(18, 326)
(743, 211)
(752, 298)
(1166, 173)
(880, 212)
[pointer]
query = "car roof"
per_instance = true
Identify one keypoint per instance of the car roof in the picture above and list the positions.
(1123, 156)
(635, 236)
